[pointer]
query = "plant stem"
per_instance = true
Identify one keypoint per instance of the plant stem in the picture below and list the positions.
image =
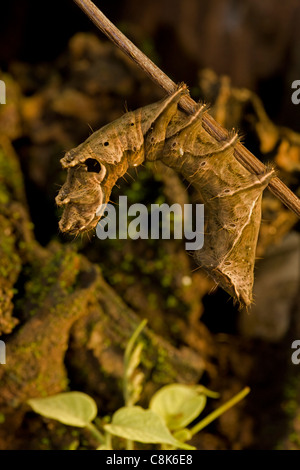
(132, 340)
(127, 354)
(243, 155)
(108, 444)
(97, 434)
(219, 411)
(129, 444)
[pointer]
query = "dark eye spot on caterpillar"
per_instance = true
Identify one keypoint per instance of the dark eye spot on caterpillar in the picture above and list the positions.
(227, 189)
(93, 166)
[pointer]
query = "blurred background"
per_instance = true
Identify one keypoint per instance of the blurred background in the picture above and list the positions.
(65, 78)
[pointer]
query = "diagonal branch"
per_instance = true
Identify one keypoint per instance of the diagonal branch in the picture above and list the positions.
(243, 155)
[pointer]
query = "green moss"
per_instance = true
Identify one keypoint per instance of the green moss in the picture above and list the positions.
(10, 260)
(162, 369)
(12, 186)
(171, 301)
(166, 280)
(152, 300)
(60, 269)
(295, 438)
(4, 198)
(45, 441)
(61, 431)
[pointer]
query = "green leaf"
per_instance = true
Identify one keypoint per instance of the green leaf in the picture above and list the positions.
(183, 434)
(141, 425)
(178, 405)
(72, 408)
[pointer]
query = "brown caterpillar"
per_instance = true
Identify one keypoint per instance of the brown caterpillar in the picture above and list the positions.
(230, 193)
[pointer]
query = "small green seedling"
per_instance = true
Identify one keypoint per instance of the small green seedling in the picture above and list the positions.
(171, 409)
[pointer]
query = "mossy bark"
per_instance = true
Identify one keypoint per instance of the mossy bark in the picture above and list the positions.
(65, 327)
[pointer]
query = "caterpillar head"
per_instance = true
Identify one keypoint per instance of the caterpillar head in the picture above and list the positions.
(87, 189)
(81, 195)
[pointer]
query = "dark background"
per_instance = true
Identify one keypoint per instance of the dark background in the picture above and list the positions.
(256, 43)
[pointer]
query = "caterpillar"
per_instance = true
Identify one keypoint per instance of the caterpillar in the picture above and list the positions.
(161, 131)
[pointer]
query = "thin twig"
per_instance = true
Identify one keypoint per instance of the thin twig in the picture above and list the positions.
(243, 155)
